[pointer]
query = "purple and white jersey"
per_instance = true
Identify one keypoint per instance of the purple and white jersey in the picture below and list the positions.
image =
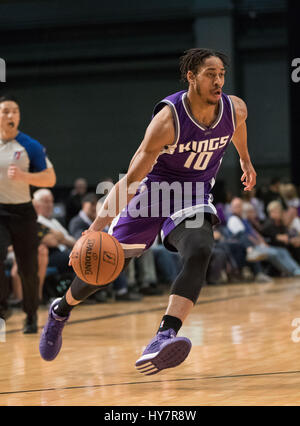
(184, 174)
(197, 151)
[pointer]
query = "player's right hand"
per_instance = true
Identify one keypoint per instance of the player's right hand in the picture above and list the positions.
(87, 231)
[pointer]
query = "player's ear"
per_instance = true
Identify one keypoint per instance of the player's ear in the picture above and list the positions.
(190, 77)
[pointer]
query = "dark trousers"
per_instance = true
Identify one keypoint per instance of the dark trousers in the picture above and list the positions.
(18, 226)
(60, 259)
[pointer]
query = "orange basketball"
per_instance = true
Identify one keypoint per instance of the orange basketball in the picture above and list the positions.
(97, 258)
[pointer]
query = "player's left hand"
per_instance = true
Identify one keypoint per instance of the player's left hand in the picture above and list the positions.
(249, 176)
(15, 173)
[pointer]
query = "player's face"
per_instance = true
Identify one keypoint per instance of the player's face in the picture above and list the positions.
(9, 117)
(209, 80)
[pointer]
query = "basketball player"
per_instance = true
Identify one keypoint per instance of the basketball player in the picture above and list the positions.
(23, 162)
(184, 143)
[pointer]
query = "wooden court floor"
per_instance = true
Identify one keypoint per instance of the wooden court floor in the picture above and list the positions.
(245, 352)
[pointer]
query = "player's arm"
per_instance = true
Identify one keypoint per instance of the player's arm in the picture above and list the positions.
(239, 140)
(159, 133)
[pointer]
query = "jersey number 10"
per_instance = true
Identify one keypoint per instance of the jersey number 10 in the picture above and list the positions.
(201, 161)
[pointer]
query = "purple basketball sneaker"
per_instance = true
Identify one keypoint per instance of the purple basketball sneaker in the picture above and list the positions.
(51, 340)
(165, 350)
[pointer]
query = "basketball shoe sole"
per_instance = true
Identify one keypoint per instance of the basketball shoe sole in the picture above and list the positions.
(164, 351)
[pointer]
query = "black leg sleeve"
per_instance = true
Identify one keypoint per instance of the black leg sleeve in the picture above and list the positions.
(81, 290)
(195, 247)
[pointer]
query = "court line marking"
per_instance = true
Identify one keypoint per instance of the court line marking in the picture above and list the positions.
(188, 379)
(162, 308)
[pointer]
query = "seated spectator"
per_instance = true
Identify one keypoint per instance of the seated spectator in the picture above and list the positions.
(223, 207)
(146, 275)
(168, 264)
(273, 194)
(240, 228)
(228, 258)
(290, 195)
(82, 221)
(250, 197)
(73, 204)
(278, 257)
(243, 232)
(277, 233)
(217, 264)
(61, 241)
(291, 216)
(292, 221)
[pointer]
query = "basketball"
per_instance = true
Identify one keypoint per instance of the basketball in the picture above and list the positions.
(97, 258)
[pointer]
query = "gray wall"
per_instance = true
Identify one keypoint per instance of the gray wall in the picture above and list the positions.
(92, 126)
(266, 91)
(88, 74)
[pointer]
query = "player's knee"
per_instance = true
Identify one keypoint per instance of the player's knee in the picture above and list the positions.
(192, 278)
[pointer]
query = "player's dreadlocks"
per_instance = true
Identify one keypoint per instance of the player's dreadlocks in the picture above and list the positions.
(193, 58)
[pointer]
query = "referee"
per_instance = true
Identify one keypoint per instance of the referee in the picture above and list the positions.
(23, 162)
